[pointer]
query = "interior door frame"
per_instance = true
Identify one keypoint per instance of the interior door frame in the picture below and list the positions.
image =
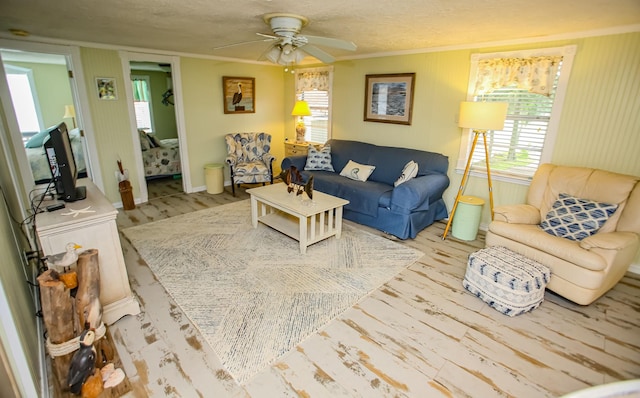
(126, 58)
(81, 103)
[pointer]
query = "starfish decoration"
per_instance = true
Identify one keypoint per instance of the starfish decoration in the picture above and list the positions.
(75, 213)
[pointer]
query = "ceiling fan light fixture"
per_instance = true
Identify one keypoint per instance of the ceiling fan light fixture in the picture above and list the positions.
(273, 55)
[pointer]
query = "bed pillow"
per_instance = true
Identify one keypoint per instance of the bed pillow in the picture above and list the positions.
(155, 142)
(574, 218)
(409, 171)
(319, 159)
(357, 171)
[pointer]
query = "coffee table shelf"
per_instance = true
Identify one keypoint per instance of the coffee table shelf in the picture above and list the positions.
(307, 221)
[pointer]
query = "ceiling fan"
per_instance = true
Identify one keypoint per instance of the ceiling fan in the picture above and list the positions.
(289, 46)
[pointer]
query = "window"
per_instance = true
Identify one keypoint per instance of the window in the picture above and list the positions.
(533, 84)
(142, 102)
(314, 86)
(23, 96)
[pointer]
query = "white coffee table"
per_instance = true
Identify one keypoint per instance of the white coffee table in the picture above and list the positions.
(307, 221)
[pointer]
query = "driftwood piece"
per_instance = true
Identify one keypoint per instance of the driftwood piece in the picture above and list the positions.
(57, 307)
(57, 312)
(88, 307)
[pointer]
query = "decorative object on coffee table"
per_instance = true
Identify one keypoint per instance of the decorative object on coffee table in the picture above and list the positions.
(509, 282)
(294, 182)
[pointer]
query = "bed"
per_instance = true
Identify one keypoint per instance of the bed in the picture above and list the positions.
(160, 158)
(38, 158)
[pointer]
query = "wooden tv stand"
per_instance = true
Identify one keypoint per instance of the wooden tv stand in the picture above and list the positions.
(92, 230)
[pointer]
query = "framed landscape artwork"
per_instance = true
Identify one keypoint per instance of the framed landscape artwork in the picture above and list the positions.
(239, 94)
(389, 98)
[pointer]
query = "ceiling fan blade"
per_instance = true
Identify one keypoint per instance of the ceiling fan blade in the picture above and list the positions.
(318, 53)
(269, 36)
(329, 42)
(243, 43)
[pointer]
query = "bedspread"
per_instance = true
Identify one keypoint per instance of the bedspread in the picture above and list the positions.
(163, 160)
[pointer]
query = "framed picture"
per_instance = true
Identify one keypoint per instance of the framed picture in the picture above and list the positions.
(106, 87)
(389, 98)
(239, 94)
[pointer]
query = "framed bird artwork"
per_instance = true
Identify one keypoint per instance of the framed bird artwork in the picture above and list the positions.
(239, 94)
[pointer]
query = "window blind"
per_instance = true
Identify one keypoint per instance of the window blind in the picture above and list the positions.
(516, 151)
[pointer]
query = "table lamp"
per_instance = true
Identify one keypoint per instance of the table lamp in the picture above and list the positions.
(479, 117)
(300, 109)
(70, 113)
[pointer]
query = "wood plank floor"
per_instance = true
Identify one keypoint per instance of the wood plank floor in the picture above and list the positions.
(419, 335)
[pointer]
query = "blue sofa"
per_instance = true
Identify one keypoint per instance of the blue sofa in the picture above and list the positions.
(402, 211)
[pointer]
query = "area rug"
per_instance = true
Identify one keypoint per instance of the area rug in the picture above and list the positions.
(250, 292)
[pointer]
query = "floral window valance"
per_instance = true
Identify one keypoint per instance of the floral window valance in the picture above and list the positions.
(312, 80)
(535, 74)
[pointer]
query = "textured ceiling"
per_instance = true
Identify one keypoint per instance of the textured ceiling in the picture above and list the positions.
(377, 27)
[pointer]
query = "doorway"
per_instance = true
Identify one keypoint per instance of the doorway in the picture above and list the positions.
(154, 108)
(156, 124)
(42, 98)
(43, 85)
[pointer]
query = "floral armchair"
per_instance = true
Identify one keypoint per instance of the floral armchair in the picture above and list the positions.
(249, 159)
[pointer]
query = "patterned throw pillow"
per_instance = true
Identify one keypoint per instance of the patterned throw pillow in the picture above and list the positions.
(319, 159)
(357, 171)
(410, 170)
(145, 144)
(575, 218)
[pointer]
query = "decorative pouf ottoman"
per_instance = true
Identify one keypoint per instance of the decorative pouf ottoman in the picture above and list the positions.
(509, 282)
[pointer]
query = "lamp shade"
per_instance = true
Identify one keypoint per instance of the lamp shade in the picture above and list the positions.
(69, 112)
(483, 115)
(301, 108)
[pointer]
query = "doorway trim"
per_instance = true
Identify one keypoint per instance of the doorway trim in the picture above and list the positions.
(126, 58)
(81, 100)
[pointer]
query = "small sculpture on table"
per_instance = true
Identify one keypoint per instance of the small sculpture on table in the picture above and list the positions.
(294, 182)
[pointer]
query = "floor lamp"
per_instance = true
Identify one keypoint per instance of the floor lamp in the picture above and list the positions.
(479, 117)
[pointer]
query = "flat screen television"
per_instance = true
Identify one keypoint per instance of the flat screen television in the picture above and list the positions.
(63, 165)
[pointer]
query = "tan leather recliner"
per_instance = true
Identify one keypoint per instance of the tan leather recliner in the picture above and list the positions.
(581, 271)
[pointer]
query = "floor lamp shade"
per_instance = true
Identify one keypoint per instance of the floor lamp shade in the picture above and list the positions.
(483, 115)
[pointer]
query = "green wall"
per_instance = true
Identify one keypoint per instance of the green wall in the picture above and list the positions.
(164, 116)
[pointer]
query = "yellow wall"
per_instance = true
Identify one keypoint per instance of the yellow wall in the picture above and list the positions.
(206, 122)
(599, 127)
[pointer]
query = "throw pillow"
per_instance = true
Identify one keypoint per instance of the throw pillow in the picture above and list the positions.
(37, 140)
(319, 159)
(145, 145)
(410, 170)
(357, 171)
(575, 218)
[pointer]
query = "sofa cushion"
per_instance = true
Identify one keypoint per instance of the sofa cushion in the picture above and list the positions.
(574, 218)
(319, 159)
(363, 197)
(409, 171)
(356, 171)
(531, 236)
